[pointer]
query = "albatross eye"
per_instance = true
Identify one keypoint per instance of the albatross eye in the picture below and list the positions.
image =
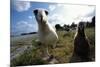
(46, 12)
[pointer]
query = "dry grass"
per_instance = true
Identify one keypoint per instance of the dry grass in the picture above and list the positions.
(62, 52)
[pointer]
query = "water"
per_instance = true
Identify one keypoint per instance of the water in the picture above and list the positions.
(23, 38)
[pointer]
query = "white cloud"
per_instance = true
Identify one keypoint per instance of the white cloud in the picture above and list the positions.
(21, 5)
(25, 27)
(66, 14)
(30, 17)
(90, 2)
(56, 19)
(52, 7)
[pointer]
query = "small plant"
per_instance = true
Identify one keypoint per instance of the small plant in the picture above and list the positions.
(62, 52)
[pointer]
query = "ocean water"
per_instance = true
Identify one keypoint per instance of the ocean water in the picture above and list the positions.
(22, 38)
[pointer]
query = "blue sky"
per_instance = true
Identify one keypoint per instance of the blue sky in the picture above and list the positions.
(23, 20)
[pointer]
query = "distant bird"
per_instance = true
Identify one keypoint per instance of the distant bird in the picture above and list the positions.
(47, 35)
(81, 44)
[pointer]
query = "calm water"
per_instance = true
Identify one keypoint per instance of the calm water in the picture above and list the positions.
(22, 38)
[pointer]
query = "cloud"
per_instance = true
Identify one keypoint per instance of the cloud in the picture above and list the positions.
(30, 17)
(21, 5)
(92, 13)
(24, 27)
(66, 14)
(89, 2)
(56, 19)
(52, 7)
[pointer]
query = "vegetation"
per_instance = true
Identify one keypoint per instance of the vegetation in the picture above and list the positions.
(62, 52)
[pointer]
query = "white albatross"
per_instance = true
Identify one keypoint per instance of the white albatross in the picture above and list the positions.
(47, 35)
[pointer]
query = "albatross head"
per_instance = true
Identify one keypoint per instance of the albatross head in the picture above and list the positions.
(40, 15)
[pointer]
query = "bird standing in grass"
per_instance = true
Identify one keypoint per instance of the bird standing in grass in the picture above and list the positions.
(47, 35)
(81, 44)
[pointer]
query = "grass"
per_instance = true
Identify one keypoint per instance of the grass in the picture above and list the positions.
(90, 32)
(62, 52)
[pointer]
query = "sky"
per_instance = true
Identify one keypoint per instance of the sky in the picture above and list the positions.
(23, 20)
